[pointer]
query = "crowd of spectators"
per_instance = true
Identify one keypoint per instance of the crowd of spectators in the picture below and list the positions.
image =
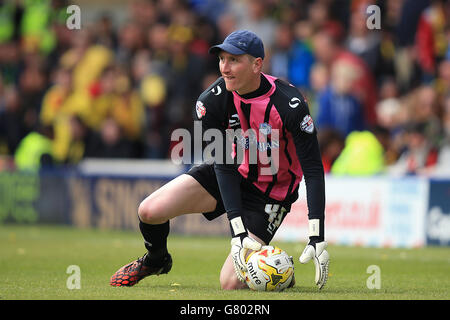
(380, 97)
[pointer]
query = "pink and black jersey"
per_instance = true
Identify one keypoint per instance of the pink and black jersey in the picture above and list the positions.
(275, 121)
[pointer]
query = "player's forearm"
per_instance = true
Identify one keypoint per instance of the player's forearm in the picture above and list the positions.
(313, 173)
(229, 181)
(315, 193)
(315, 196)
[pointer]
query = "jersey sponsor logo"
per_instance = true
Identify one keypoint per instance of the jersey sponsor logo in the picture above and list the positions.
(265, 128)
(247, 142)
(216, 90)
(264, 146)
(307, 124)
(200, 109)
(294, 102)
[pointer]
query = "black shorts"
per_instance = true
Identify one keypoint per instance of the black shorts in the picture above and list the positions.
(261, 215)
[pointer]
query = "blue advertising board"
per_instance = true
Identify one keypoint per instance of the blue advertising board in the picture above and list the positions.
(438, 215)
(375, 211)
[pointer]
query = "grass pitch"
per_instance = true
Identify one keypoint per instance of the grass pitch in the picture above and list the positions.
(34, 262)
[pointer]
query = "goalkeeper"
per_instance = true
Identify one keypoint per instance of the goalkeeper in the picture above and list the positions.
(256, 194)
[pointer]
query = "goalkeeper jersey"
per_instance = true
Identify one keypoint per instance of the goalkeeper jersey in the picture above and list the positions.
(273, 129)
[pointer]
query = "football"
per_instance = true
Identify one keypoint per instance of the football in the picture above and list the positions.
(269, 269)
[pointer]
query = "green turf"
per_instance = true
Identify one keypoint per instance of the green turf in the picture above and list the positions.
(34, 260)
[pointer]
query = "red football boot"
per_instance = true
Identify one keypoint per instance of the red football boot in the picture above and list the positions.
(135, 271)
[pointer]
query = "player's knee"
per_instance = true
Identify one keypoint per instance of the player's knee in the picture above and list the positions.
(143, 212)
(232, 285)
(230, 282)
(151, 211)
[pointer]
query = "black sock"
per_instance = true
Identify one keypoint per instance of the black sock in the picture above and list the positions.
(155, 236)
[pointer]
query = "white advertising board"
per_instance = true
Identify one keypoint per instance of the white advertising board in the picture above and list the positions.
(377, 211)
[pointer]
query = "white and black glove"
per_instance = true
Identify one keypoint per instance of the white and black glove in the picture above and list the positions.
(316, 250)
(240, 244)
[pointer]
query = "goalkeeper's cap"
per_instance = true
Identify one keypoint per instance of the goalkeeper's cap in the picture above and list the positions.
(241, 42)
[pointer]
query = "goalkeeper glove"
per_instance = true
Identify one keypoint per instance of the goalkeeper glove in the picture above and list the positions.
(316, 250)
(240, 244)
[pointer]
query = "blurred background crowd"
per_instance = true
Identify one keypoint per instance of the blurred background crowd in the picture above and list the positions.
(379, 97)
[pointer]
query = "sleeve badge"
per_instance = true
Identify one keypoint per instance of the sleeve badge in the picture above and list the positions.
(200, 109)
(307, 124)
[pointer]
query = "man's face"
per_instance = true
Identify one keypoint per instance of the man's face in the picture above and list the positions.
(240, 72)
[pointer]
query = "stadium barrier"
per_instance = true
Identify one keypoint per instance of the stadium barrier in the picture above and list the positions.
(376, 211)
(379, 211)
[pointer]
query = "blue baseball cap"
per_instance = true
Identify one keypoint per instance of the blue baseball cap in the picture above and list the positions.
(241, 42)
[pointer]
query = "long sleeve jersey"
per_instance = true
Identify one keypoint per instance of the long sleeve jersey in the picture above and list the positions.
(273, 129)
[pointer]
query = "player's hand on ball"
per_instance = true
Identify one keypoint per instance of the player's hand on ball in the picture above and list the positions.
(239, 248)
(318, 253)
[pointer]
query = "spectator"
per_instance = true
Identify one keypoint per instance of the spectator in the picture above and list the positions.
(407, 68)
(128, 111)
(443, 78)
(318, 14)
(81, 140)
(131, 40)
(362, 41)
(146, 73)
(109, 142)
(338, 107)
(10, 63)
(104, 32)
(363, 154)
(447, 41)
(158, 43)
(12, 127)
(319, 79)
(101, 96)
(331, 144)
(301, 57)
(187, 70)
(419, 153)
(89, 60)
(226, 24)
(329, 52)
(279, 62)
(388, 88)
(446, 118)
(253, 15)
(36, 27)
(143, 12)
(442, 167)
(59, 103)
(32, 86)
(11, 13)
(35, 150)
(55, 98)
(211, 9)
(389, 111)
(423, 107)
